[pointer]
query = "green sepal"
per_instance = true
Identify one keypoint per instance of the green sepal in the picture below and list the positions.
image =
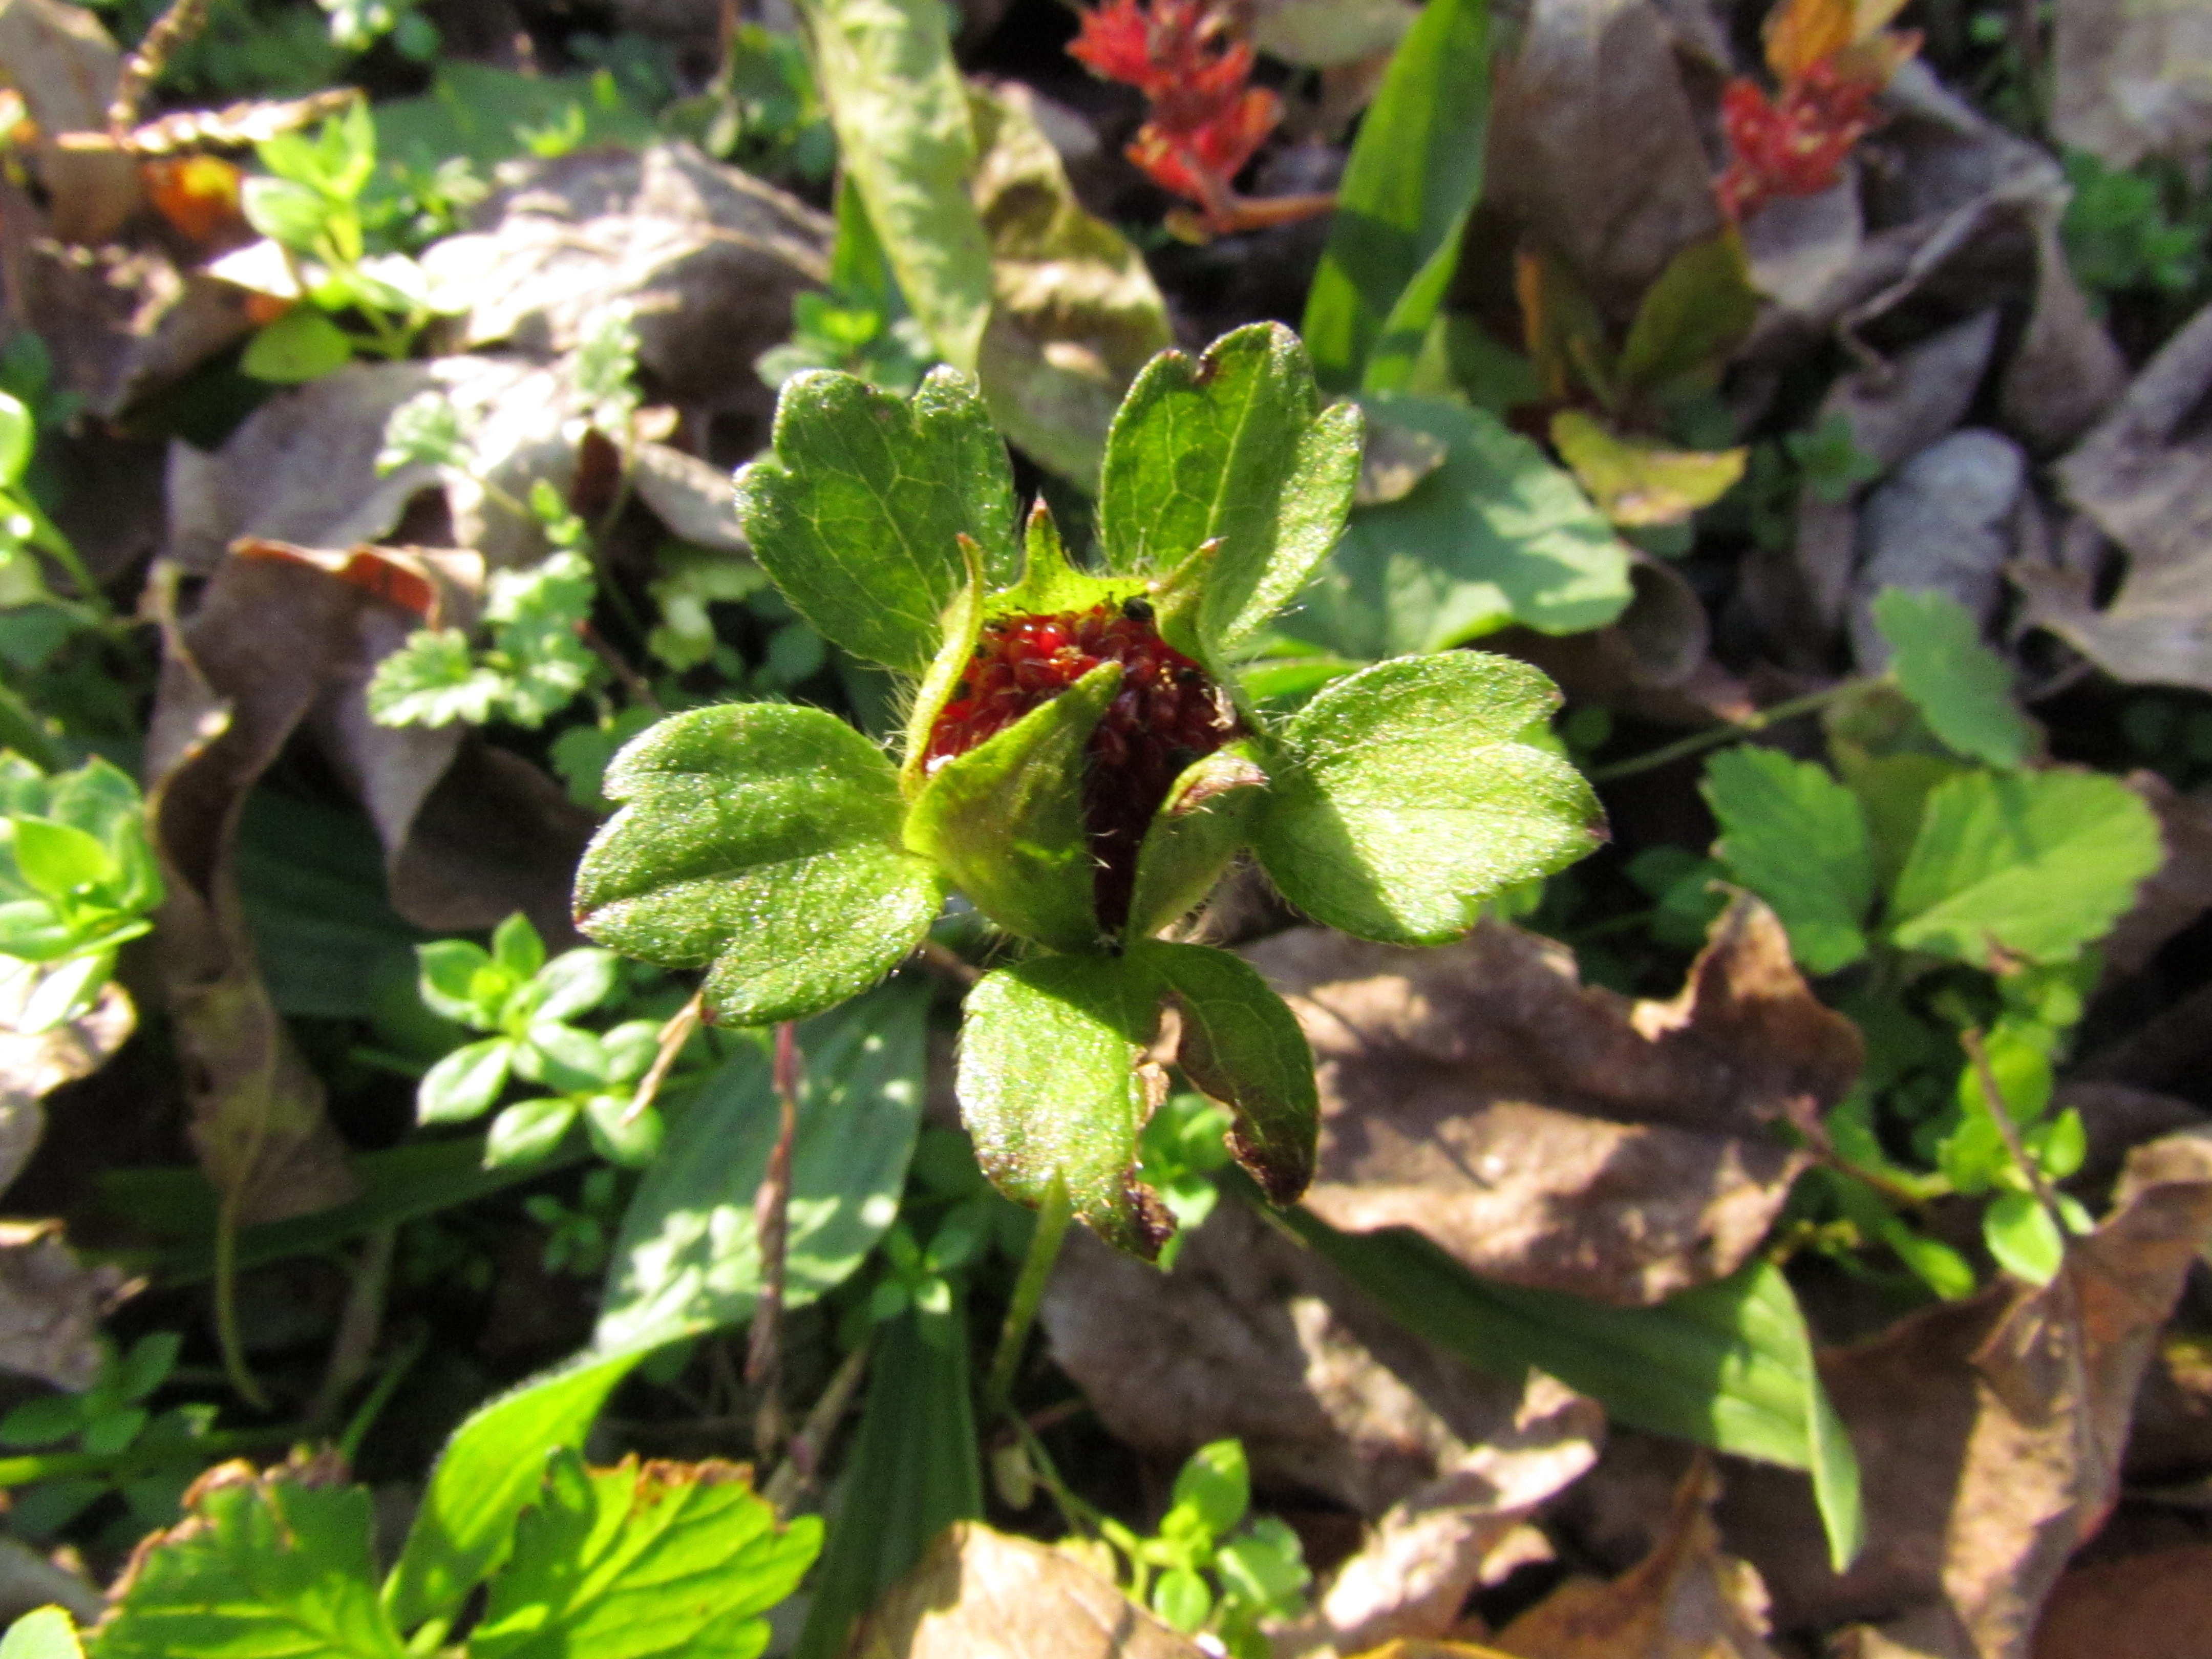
(963, 624)
(1051, 1092)
(763, 838)
(1236, 447)
(1205, 819)
(1408, 795)
(857, 517)
(1005, 820)
(1241, 1045)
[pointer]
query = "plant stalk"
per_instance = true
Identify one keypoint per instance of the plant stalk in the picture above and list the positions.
(1715, 736)
(1053, 1217)
(772, 1224)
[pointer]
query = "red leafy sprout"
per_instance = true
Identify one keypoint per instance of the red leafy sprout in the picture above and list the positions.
(1207, 119)
(1166, 715)
(1832, 58)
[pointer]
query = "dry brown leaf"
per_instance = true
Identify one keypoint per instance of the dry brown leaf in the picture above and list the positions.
(978, 1593)
(2131, 78)
(1253, 1336)
(1989, 1431)
(707, 258)
(1945, 523)
(50, 1305)
(2145, 477)
(1432, 1650)
(33, 1068)
(62, 62)
(1555, 1135)
(1685, 1600)
(2157, 1606)
(1588, 72)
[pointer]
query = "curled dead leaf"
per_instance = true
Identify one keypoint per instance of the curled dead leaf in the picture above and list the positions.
(1687, 1599)
(33, 1068)
(978, 1593)
(1554, 1135)
(1254, 1337)
(51, 1305)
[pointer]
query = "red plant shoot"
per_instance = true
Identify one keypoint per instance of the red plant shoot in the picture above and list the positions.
(1207, 119)
(1832, 58)
(1166, 715)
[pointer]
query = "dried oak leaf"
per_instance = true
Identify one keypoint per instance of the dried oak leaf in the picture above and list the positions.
(52, 1304)
(2154, 1605)
(2131, 78)
(707, 257)
(2144, 477)
(1253, 1336)
(1687, 1599)
(1556, 1135)
(2181, 890)
(1989, 1431)
(1587, 72)
(60, 59)
(33, 1068)
(978, 1593)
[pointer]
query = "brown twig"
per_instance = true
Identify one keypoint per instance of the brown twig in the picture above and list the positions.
(772, 1225)
(943, 959)
(145, 65)
(802, 1463)
(640, 689)
(673, 1036)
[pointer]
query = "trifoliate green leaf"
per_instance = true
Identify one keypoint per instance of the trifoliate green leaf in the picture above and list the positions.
(263, 1566)
(662, 1561)
(1962, 689)
(1798, 838)
(1405, 798)
(858, 517)
(763, 838)
(434, 680)
(1234, 447)
(2029, 864)
(1050, 1092)
(1005, 820)
(1242, 1046)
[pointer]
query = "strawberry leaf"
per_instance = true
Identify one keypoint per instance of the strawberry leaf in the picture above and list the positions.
(763, 838)
(1410, 796)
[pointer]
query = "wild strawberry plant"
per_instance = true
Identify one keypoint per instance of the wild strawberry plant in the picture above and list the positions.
(1080, 762)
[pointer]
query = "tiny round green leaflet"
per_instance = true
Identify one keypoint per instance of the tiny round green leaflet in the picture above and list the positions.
(798, 862)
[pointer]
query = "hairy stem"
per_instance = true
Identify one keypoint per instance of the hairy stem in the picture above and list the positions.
(1053, 1217)
(772, 1223)
(1715, 736)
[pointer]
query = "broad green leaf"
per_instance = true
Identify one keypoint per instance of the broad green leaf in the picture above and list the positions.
(1078, 314)
(1961, 688)
(1798, 838)
(285, 211)
(1216, 1485)
(1233, 448)
(492, 1466)
(1050, 1092)
(302, 346)
(1408, 186)
(1408, 797)
(899, 107)
(265, 1567)
(464, 1083)
(58, 860)
(2023, 864)
(1729, 1364)
(42, 1633)
(1692, 318)
(516, 946)
(1242, 1046)
(2022, 1237)
(1005, 820)
(666, 1561)
(688, 1259)
(449, 977)
(530, 1131)
(1197, 831)
(18, 433)
(857, 517)
(1635, 483)
(1181, 1599)
(575, 982)
(763, 838)
(913, 1469)
(1496, 535)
